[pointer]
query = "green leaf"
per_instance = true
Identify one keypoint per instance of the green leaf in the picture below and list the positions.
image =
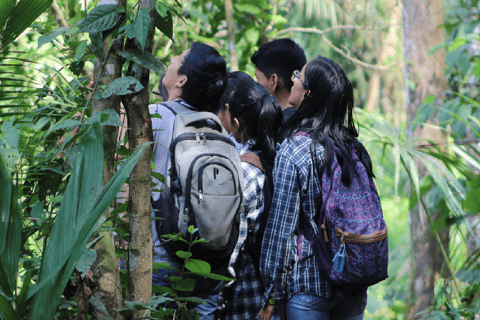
(437, 47)
(192, 300)
(108, 117)
(141, 25)
(192, 229)
(129, 31)
(184, 285)
(52, 35)
(200, 266)
(5, 286)
(164, 23)
(145, 59)
(101, 18)
(21, 304)
(6, 7)
(476, 69)
(175, 279)
(472, 201)
(22, 16)
(86, 261)
(12, 137)
(80, 50)
(122, 86)
(430, 99)
(248, 8)
(157, 266)
(85, 202)
(41, 123)
(10, 230)
(158, 176)
(6, 309)
(214, 276)
(457, 44)
(183, 254)
(96, 42)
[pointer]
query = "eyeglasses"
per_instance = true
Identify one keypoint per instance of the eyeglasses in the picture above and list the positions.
(296, 75)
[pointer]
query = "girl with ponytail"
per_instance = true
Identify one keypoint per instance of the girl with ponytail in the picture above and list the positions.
(254, 120)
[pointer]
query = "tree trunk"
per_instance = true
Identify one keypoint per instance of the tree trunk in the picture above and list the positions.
(424, 76)
(231, 35)
(140, 125)
(388, 51)
(105, 268)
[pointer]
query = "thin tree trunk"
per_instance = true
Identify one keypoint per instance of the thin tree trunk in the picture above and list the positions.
(105, 268)
(231, 35)
(424, 76)
(388, 50)
(140, 125)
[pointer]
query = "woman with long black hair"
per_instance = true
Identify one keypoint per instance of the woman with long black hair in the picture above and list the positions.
(254, 118)
(323, 96)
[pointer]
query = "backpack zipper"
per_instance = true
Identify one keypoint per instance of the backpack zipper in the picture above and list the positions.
(359, 238)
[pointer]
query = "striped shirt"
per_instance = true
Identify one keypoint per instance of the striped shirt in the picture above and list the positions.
(295, 187)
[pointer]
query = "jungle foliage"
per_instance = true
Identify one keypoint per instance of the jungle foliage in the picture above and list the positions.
(52, 153)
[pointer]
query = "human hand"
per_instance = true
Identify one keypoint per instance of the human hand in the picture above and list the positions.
(266, 313)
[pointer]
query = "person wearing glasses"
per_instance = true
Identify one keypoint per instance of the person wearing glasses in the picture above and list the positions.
(323, 96)
(274, 62)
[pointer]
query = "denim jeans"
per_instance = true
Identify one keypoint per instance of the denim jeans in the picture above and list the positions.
(207, 289)
(307, 306)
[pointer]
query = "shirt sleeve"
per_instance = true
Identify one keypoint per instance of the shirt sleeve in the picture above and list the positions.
(278, 239)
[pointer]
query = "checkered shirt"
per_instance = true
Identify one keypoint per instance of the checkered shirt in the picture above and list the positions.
(295, 185)
(247, 290)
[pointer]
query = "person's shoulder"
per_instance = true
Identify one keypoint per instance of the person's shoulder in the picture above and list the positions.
(293, 146)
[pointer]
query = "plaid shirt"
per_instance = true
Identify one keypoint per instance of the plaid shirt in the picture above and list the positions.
(247, 290)
(295, 186)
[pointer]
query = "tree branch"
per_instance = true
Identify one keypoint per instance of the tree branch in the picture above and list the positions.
(336, 49)
(59, 15)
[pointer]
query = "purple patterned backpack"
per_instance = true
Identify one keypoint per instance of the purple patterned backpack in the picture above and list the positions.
(350, 244)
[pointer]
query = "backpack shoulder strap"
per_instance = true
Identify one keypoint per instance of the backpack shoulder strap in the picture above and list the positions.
(253, 159)
(175, 107)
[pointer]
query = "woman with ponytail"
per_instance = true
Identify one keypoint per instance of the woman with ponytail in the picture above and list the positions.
(323, 96)
(254, 119)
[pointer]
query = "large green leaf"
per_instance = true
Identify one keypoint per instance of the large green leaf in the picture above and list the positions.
(78, 217)
(101, 18)
(141, 25)
(10, 242)
(145, 59)
(122, 86)
(6, 7)
(22, 16)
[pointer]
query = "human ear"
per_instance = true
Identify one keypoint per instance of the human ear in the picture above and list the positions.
(181, 81)
(274, 81)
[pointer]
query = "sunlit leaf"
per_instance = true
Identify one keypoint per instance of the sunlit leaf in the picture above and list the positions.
(183, 254)
(200, 266)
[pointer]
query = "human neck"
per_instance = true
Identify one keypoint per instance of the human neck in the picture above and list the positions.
(282, 97)
(174, 95)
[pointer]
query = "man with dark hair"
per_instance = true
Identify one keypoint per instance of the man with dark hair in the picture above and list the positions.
(195, 80)
(274, 62)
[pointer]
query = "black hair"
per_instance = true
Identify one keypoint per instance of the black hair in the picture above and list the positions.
(326, 113)
(235, 79)
(281, 56)
(206, 73)
(259, 115)
(162, 90)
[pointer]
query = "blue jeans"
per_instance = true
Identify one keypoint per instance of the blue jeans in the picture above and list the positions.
(207, 289)
(307, 306)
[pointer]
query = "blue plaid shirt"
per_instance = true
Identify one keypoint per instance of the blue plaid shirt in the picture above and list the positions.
(295, 186)
(247, 290)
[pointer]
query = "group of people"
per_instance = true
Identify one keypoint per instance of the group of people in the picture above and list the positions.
(290, 96)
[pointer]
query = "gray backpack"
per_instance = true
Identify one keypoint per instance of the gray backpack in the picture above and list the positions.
(204, 187)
